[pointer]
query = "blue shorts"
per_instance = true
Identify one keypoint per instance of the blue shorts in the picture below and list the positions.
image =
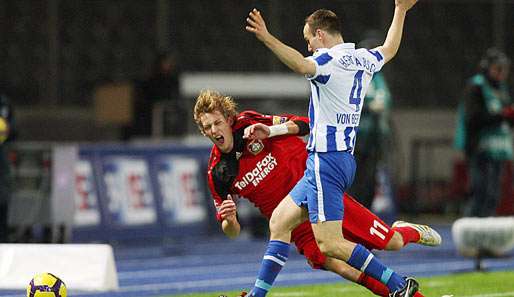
(323, 184)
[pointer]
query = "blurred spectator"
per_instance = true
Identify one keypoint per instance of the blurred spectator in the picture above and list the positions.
(160, 90)
(374, 131)
(6, 134)
(488, 116)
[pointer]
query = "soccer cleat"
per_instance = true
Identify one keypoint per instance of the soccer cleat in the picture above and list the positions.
(410, 288)
(427, 235)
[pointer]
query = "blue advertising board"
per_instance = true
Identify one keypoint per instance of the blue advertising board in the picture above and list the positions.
(128, 192)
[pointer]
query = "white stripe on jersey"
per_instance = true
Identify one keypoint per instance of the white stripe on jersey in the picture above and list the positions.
(319, 192)
(342, 77)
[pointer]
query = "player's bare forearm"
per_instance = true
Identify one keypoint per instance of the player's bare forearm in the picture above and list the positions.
(394, 35)
(262, 131)
(292, 128)
(395, 32)
(288, 55)
(231, 227)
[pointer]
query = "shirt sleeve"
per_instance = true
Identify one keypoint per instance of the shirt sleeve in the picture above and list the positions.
(215, 196)
(321, 59)
(374, 56)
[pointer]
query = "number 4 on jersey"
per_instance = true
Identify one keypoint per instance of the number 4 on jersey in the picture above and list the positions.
(355, 93)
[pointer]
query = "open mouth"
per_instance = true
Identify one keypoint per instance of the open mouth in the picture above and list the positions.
(220, 139)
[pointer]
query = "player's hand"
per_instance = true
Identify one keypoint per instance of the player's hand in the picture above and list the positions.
(256, 131)
(405, 4)
(257, 25)
(228, 209)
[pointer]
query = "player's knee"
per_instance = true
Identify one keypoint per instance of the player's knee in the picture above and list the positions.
(277, 226)
(395, 243)
(326, 247)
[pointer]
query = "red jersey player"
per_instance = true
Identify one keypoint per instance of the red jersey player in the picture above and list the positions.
(264, 171)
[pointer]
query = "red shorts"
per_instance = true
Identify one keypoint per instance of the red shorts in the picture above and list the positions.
(359, 225)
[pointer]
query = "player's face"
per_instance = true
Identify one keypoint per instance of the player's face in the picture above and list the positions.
(218, 129)
(313, 41)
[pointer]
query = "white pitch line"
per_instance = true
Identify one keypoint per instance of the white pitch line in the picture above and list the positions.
(290, 294)
(504, 294)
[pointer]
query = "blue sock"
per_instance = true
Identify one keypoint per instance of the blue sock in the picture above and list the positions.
(364, 261)
(274, 258)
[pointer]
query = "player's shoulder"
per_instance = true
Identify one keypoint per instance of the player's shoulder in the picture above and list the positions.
(249, 114)
(250, 117)
(373, 55)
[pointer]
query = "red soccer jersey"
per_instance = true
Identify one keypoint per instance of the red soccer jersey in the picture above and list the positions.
(263, 172)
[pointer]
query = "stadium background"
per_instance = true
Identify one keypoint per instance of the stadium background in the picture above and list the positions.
(55, 55)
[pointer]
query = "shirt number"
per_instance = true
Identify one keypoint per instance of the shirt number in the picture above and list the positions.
(355, 93)
(348, 139)
(374, 231)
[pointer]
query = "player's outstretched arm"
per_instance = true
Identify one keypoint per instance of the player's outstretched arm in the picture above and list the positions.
(288, 55)
(394, 35)
(228, 212)
(262, 131)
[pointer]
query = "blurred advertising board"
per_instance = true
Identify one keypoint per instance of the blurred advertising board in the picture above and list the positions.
(87, 212)
(130, 197)
(179, 184)
(122, 191)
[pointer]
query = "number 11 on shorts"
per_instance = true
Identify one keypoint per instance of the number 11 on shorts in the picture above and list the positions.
(374, 231)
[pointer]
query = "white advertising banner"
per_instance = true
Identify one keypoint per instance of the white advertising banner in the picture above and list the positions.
(182, 195)
(87, 212)
(129, 192)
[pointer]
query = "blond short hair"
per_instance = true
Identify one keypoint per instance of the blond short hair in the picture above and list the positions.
(210, 101)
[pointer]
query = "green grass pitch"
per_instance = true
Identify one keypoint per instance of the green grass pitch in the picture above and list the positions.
(478, 284)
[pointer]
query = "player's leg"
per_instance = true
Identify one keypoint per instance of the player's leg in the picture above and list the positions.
(346, 271)
(363, 226)
(284, 219)
(286, 216)
(331, 174)
(306, 245)
(355, 255)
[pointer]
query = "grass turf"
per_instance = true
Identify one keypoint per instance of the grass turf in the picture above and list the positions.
(477, 284)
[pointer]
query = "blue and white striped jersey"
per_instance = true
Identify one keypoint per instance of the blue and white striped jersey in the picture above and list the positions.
(342, 77)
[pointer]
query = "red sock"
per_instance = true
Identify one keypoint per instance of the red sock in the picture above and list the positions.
(373, 285)
(409, 234)
(377, 287)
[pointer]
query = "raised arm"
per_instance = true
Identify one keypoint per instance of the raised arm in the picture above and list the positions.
(394, 35)
(288, 55)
